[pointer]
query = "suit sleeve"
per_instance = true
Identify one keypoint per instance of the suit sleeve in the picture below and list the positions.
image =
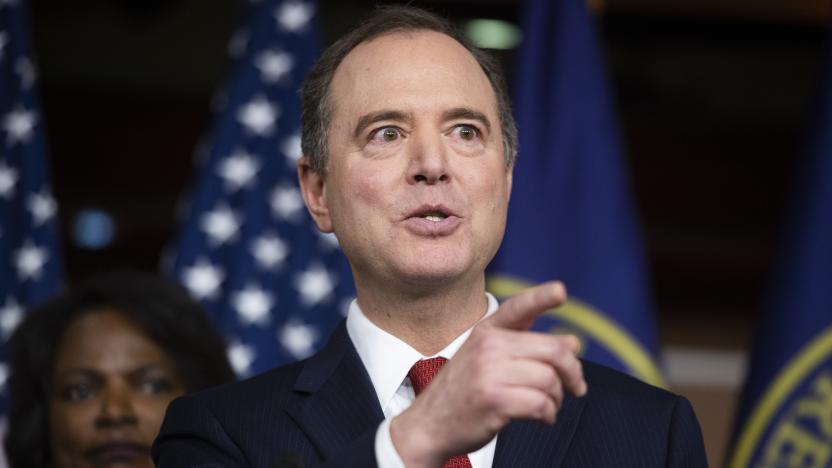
(360, 452)
(686, 449)
(191, 436)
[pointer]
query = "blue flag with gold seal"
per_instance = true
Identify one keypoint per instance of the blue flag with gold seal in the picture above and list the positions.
(571, 216)
(785, 416)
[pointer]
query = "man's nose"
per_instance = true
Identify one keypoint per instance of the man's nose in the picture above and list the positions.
(428, 160)
(117, 407)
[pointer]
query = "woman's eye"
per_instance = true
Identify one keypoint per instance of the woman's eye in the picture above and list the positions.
(386, 134)
(76, 392)
(155, 386)
(466, 132)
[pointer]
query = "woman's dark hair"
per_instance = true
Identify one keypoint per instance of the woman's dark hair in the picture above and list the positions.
(162, 310)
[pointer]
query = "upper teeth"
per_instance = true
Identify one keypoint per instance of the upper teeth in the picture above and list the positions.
(435, 217)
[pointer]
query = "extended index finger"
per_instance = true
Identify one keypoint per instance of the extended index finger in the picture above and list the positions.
(520, 311)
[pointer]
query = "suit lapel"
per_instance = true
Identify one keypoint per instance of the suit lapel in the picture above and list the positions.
(530, 444)
(338, 403)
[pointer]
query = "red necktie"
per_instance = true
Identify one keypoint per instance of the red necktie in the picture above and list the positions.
(421, 375)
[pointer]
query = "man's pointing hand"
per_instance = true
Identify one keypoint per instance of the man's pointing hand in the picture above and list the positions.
(502, 372)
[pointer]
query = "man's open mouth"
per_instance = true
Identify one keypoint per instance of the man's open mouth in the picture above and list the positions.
(434, 216)
(432, 220)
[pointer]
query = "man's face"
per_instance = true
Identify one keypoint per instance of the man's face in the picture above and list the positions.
(416, 186)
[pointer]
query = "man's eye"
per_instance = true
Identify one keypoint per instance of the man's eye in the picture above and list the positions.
(386, 134)
(466, 132)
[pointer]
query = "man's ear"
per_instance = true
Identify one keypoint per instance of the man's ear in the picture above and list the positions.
(510, 182)
(313, 188)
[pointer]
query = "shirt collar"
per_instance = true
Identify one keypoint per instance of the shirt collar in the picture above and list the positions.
(387, 358)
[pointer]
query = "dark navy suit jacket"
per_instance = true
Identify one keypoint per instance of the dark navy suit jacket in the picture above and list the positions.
(324, 412)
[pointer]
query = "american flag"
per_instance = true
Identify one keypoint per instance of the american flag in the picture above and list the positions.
(248, 250)
(30, 270)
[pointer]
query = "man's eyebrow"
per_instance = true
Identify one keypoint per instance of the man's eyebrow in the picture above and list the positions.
(467, 113)
(368, 119)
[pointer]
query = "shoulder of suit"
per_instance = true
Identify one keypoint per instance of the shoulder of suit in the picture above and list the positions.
(608, 383)
(273, 384)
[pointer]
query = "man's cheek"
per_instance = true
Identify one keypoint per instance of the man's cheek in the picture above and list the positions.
(369, 188)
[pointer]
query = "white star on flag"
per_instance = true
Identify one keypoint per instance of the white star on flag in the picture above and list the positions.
(8, 179)
(258, 116)
(274, 65)
(221, 224)
(10, 316)
(42, 206)
(30, 260)
(298, 338)
(328, 240)
(293, 16)
(344, 306)
(4, 376)
(314, 285)
(203, 279)
(291, 149)
(241, 357)
(19, 125)
(287, 202)
(253, 305)
(238, 170)
(270, 251)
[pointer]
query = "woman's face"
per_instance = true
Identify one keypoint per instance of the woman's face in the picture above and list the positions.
(110, 388)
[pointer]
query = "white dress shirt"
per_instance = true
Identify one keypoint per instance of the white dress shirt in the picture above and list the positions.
(388, 360)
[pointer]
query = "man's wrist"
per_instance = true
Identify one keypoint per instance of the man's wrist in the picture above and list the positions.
(386, 455)
(414, 443)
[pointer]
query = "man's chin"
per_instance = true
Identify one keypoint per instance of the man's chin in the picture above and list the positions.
(420, 271)
(431, 278)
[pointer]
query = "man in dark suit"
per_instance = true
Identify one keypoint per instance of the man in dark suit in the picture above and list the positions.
(408, 147)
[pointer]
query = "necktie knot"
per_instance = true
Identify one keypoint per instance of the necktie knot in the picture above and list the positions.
(423, 372)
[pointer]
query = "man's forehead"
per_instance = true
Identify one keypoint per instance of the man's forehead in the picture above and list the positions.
(407, 39)
(410, 60)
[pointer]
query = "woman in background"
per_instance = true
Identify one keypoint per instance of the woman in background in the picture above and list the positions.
(93, 370)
